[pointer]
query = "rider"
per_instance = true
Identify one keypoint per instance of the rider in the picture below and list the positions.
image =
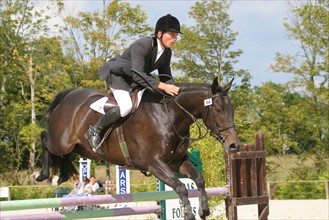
(134, 67)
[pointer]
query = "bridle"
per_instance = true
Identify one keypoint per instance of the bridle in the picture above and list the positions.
(199, 125)
(217, 134)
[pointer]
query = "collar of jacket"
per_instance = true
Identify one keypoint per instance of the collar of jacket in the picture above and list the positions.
(155, 43)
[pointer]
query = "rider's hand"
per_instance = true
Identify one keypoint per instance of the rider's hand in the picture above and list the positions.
(170, 89)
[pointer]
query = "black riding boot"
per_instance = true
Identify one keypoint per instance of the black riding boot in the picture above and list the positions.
(93, 135)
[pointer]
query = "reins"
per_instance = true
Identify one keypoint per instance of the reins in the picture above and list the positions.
(216, 135)
(194, 119)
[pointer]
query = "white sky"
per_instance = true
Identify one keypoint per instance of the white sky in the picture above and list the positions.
(259, 23)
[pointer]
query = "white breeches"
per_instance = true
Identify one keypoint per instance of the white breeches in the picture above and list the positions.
(124, 101)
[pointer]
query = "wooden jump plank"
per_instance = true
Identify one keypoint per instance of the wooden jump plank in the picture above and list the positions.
(248, 155)
(250, 200)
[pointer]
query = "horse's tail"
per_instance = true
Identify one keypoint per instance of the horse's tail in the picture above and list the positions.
(44, 138)
(65, 167)
(58, 98)
(58, 162)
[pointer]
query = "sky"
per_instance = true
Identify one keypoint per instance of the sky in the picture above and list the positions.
(258, 22)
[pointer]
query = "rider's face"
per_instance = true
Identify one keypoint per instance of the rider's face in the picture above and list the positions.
(169, 38)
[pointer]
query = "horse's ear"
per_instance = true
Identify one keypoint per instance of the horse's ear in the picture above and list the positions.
(214, 86)
(228, 86)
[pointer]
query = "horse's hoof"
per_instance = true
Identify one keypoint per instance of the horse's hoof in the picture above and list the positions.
(61, 180)
(189, 216)
(204, 213)
(42, 177)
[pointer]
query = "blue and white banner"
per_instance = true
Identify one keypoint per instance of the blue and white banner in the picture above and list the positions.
(122, 181)
(84, 168)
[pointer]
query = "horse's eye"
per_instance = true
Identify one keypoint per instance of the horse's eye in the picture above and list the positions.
(218, 109)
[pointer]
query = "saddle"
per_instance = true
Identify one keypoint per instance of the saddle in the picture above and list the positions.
(111, 102)
(135, 95)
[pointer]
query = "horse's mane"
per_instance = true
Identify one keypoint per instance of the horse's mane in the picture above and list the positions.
(193, 86)
(196, 87)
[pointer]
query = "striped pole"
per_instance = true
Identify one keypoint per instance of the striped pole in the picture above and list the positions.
(86, 214)
(102, 199)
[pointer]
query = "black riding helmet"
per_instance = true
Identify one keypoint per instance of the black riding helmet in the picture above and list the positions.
(168, 23)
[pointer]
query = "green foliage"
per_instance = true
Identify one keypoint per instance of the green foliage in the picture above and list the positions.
(213, 163)
(297, 190)
(306, 111)
(20, 193)
(8, 160)
(30, 133)
(147, 185)
(37, 192)
(308, 190)
(105, 34)
(243, 98)
(205, 49)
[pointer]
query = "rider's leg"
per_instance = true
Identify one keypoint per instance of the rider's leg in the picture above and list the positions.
(124, 107)
(124, 101)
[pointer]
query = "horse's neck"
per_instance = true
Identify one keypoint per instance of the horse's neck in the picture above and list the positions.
(192, 102)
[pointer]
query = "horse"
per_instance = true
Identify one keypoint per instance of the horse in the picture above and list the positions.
(157, 134)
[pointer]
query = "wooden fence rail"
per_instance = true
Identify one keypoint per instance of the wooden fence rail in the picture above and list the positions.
(246, 176)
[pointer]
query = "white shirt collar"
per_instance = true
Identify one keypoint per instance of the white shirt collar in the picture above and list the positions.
(160, 50)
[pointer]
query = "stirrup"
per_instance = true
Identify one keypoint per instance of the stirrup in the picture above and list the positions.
(89, 135)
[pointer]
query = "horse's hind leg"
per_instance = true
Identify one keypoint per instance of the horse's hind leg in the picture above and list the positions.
(188, 170)
(44, 174)
(163, 172)
(66, 168)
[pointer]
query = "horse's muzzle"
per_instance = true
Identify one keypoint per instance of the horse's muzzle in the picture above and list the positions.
(231, 143)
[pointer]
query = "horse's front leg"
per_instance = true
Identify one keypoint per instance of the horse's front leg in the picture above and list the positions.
(188, 170)
(162, 171)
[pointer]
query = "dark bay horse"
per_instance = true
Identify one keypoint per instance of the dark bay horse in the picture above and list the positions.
(157, 134)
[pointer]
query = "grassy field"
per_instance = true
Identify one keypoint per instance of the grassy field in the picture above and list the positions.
(138, 181)
(278, 169)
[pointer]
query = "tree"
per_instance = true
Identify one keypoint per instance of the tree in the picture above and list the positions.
(205, 52)
(308, 25)
(205, 49)
(273, 115)
(29, 59)
(103, 34)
